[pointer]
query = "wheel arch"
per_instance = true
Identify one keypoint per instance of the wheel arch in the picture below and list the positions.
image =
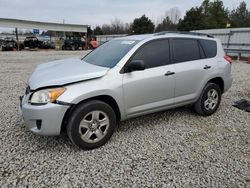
(219, 81)
(104, 98)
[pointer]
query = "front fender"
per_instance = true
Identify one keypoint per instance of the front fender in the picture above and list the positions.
(79, 92)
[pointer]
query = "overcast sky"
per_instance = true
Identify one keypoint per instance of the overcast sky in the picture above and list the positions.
(95, 12)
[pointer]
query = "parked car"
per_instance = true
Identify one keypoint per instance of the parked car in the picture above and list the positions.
(73, 43)
(9, 44)
(1, 43)
(47, 44)
(125, 78)
(32, 42)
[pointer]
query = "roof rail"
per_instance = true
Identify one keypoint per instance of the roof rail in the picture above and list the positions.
(184, 33)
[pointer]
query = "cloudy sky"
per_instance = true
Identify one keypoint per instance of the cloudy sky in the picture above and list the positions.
(95, 12)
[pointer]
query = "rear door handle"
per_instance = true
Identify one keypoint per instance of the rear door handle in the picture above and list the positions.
(207, 67)
(169, 73)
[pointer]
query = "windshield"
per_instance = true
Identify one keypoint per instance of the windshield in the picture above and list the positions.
(110, 53)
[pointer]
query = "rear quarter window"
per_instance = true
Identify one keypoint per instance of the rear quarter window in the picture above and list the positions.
(209, 47)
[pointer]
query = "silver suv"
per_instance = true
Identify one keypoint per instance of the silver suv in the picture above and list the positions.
(125, 78)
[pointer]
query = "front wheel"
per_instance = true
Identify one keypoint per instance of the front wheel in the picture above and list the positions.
(91, 124)
(209, 100)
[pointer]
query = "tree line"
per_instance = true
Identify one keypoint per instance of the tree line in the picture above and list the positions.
(209, 15)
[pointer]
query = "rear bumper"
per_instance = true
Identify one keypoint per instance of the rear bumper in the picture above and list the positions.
(44, 119)
(228, 81)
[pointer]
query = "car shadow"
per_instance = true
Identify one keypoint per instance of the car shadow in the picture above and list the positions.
(157, 117)
(62, 142)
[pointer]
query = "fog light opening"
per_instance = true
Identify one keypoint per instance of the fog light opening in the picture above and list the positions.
(39, 124)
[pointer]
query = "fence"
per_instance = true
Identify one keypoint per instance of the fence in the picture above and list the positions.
(234, 40)
(104, 38)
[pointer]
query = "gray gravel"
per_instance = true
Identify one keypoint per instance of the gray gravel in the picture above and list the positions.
(175, 148)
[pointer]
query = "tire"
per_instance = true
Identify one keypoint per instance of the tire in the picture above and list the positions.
(87, 131)
(209, 100)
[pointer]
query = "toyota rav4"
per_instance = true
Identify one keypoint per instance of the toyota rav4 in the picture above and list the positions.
(125, 78)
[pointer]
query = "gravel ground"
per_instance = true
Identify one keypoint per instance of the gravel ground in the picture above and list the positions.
(175, 148)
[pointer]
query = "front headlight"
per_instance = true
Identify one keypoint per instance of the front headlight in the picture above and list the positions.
(46, 96)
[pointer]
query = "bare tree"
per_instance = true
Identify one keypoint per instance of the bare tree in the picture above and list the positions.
(117, 26)
(174, 15)
(106, 29)
(128, 28)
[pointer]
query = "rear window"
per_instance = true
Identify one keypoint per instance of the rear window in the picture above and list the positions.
(209, 47)
(185, 50)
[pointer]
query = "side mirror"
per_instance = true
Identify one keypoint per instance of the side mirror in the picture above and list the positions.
(136, 65)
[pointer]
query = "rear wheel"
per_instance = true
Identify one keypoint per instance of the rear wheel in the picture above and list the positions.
(209, 100)
(91, 124)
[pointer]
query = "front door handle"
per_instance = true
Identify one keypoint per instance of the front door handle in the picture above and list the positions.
(207, 67)
(169, 73)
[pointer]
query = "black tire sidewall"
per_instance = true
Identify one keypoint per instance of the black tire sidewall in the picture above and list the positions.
(77, 116)
(207, 88)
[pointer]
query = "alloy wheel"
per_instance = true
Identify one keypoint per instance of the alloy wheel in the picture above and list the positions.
(94, 126)
(211, 100)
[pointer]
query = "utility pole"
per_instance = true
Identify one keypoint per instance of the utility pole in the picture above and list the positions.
(86, 39)
(64, 31)
(17, 40)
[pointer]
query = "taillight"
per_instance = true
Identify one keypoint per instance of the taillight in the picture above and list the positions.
(228, 59)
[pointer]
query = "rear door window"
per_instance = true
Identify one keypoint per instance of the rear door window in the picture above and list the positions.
(185, 50)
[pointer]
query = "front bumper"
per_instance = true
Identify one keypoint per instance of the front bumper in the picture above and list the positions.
(43, 119)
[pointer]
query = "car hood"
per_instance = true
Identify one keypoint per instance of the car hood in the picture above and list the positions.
(63, 72)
